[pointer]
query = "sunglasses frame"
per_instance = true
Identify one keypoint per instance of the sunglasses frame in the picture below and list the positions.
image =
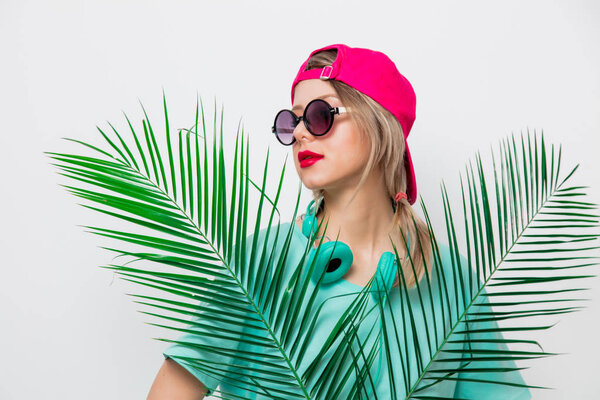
(332, 110)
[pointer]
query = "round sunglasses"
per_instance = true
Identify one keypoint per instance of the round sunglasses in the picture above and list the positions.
(317, 117)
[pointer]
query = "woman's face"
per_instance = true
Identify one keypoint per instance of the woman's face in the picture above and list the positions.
(344, 153)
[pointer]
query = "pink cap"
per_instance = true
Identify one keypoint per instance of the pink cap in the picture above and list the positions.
(375, 75)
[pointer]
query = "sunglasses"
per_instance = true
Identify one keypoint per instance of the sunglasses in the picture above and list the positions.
(317, 117)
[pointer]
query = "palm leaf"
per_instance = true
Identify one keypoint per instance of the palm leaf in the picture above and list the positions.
(523, 257)
(236, 275)
(197, 242)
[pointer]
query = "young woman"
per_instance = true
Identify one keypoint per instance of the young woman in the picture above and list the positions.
(351, 114)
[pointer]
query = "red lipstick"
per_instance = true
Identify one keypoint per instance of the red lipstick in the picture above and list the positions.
(308, 158)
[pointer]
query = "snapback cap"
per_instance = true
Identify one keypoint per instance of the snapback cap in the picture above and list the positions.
(375, 75)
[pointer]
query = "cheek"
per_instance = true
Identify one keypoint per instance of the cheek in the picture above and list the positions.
(359, 148)
(346, 137)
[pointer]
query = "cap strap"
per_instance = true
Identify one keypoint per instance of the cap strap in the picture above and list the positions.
(326, 72)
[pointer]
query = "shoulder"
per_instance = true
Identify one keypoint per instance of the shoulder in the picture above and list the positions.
(449, 257)
(447, 262)
(279, 232)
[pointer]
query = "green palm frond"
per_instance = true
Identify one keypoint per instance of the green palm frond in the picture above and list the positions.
(527, 253)
(196, 238)
(196, 224)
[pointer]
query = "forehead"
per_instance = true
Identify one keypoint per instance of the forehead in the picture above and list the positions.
(311, 89)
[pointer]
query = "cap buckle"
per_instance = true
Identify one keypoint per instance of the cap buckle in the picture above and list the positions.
(329, 71)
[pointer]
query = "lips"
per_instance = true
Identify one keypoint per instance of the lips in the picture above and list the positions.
(308, 158)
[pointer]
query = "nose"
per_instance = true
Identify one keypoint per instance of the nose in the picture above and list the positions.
(301, 134)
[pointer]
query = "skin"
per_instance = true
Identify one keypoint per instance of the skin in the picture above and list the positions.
(363, 223)
(173, 382)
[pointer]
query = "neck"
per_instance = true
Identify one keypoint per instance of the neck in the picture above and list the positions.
(363, 222)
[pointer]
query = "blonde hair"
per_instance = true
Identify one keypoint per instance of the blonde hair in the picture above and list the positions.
(384, 132)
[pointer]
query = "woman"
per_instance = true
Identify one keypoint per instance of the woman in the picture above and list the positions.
(352, 112)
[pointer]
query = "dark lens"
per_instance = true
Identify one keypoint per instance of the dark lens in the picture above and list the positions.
(318, 117)
(285, 122)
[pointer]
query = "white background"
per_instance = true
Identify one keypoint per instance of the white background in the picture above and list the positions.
(481, 70)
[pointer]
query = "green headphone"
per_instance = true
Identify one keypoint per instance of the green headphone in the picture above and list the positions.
(335, 258)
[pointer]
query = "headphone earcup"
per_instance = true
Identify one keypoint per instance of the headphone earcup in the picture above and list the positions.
(309, 224)
(384, 277)
(333, 261)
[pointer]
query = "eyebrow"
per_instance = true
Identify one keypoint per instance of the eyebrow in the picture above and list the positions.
(320, 97)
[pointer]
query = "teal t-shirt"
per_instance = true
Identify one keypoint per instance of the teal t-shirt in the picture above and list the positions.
(337, 297)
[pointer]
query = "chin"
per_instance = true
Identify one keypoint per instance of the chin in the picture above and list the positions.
(311, 184)
(312, 179)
